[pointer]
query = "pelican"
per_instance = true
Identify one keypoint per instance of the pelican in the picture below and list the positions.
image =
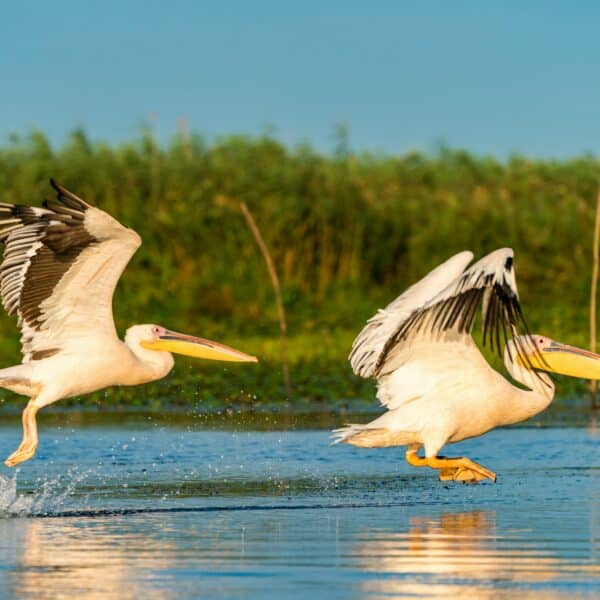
(433, 380)
(61, 265)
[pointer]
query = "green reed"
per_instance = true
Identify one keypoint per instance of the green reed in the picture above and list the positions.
(347, 233)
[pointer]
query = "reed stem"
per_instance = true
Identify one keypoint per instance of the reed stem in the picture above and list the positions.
(593, 294)
(278, 297)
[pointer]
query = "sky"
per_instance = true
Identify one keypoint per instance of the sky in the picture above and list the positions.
(491, 77)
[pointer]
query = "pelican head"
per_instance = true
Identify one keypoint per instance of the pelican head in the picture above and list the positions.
(540, 352)
(155, 337)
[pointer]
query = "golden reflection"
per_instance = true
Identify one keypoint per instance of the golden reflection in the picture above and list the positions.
(460, 555)
(59, 559)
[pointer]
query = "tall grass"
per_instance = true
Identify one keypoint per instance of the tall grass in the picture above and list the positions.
(347, 231)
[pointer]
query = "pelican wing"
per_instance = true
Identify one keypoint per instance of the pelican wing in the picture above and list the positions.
(370, 343)
(61, 265)
(490, 282)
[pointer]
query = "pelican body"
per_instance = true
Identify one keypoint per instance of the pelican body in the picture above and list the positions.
(60, 268)
(432, 378)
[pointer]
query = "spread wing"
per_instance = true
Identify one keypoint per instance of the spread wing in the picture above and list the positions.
(490, 283)
(61, 265)
(369, 345)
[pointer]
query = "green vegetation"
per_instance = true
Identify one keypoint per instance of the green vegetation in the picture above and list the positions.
(348, 232)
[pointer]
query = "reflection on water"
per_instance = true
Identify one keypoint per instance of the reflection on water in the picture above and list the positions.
(274, 515)
(437, 554)
(78, 562)
(461, 554)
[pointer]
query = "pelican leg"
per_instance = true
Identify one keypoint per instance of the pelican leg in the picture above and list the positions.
(451, 469)
(29, 444)
(412, 458)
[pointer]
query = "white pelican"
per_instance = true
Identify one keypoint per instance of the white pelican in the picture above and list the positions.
(60, 269)
(433, 380)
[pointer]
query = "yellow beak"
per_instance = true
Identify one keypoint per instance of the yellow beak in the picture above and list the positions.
(566, 360)
(179, 343)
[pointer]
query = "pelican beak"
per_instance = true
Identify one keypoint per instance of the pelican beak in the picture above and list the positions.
(566, 360)
(179, 343)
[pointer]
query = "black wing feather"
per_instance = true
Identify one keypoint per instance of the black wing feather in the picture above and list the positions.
(40, 247)
(456, 310)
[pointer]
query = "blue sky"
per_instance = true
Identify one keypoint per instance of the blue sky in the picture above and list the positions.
(511, 76)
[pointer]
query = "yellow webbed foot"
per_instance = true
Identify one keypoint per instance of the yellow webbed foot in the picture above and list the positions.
(24, 452)
(451, 469)
(460, 469)
(465, 475)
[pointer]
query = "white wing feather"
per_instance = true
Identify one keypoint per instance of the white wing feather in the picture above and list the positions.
(80, 307)
(449, 315)
(432, 312)
(60, 268)
(370, 342)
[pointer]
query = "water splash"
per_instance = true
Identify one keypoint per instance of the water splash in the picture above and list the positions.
(50, 498)
(11, 503)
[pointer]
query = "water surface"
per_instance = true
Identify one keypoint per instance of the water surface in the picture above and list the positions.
(158, 511)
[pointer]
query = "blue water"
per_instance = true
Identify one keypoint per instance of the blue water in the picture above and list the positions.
(135, 510)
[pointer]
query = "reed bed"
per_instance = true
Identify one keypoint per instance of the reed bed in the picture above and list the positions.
(347, 232)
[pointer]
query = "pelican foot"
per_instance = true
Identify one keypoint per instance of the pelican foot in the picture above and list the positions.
(452, 469)
(460, 469)
(22, 453)
(464, 474)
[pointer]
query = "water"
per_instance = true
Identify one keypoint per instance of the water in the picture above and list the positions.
(134, 510)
